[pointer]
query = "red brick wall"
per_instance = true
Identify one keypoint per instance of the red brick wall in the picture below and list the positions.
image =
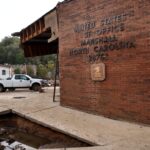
(121, 32)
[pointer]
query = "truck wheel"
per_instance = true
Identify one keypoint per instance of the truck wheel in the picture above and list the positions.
(36, 87)
(1, 88)
(4, 89)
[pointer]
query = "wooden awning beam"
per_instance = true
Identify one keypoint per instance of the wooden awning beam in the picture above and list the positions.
(32, 49)
(40, 37)
(33, 30)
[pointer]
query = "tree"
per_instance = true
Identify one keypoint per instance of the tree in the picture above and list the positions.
(51, 68)
(17, 71)
(30, 71)
(10, 51)
(42, 71)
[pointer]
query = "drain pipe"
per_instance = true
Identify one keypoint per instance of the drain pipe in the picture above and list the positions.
(54, 94)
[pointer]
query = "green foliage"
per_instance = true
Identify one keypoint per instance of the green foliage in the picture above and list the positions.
(42, 71)
(30, 71)
(17, 71)
(45, 65)
(51, 68)
(11, 53)
(50, 65)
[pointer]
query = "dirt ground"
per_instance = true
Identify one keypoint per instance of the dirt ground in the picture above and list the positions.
(23, 98)
(24, 93)
(106, 133)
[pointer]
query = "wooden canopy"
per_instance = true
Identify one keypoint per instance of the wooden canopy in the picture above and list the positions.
(40, 37)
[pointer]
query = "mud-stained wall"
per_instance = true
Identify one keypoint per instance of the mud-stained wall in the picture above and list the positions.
(56, 139)
(105, 57)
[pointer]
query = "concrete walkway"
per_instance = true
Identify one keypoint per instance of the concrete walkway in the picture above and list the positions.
(105, 134)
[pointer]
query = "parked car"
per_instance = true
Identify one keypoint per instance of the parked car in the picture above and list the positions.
(20, 81)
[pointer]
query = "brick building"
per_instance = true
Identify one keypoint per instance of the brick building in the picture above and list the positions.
(104, 55)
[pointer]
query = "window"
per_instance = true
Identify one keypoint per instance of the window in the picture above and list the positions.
(21, 77)
(17, 77)
(24, 77)
(3, 72)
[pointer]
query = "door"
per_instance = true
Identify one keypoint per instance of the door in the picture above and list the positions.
(21, 81)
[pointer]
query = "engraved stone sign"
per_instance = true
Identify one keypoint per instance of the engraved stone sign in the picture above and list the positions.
(98, 72)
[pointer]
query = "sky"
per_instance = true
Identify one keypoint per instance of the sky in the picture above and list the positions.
(18, 14)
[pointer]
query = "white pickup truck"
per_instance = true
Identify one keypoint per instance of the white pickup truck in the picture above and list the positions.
(20, 81)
